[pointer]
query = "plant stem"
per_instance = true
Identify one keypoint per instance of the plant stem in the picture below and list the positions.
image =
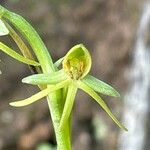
(63, 136)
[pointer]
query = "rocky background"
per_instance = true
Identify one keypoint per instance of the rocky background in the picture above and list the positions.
(108, 29)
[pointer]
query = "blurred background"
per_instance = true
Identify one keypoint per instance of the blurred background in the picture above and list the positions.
(117, 34)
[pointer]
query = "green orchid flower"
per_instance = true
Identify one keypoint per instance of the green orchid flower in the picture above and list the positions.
(74, 75)
(59, 86)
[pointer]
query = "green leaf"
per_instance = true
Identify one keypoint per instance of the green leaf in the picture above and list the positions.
(72, 89)
(3, 29)
(100, 86)
(39, 95)
(98, 99)
(17, 56)
(51, 78)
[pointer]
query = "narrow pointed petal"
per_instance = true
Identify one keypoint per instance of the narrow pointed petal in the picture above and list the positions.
(96, 97)
(40, 94)
(3, 29)
(17, 56)
(31, 99)
(100, 86)
(72, 89)
(51, 78)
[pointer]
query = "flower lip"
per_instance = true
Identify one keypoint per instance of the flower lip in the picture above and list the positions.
(77, 62)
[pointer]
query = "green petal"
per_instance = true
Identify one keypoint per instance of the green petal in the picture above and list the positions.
(31, 99)
(77, 62)
(17, 56)
(100, 86)
(40, 94)
(3, 29)
(72, 89)
(51, 78)
(96, 97)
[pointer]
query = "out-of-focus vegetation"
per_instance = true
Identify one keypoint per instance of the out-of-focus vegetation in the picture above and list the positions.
(45, 146)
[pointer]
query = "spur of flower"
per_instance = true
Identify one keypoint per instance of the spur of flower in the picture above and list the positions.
(74, 75)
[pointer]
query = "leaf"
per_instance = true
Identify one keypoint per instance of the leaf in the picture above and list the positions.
(97, 98)
(39, 95)
(72, 89)
(17, 56)
(51, 78)
(3, 29)
(100, 86)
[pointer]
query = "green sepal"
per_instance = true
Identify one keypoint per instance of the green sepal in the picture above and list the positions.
(3, 29)
(39, 95)
(17, 56)
(100, 86)
(51, 78)
(99, 100)
(31, 99)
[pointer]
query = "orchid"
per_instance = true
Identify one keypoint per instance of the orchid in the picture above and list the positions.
(73, 75)
(59, 81)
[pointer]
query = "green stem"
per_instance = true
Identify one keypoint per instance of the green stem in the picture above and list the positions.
(41, 52)
(62, 136)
